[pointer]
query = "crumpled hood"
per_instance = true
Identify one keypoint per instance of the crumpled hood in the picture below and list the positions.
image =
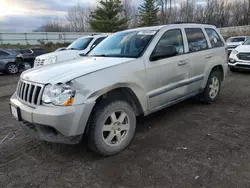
(64, 55)
(64, 72)
(243, 48)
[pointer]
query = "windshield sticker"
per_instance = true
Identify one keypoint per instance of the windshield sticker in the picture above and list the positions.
(146, 33)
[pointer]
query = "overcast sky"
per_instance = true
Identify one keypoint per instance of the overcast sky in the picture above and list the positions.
(27, 15)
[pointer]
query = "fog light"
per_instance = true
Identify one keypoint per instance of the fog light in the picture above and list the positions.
(232, 60)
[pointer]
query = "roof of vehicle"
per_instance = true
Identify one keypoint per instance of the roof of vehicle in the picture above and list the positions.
(180, 25)
(36, 47)
(239, 37)
(10, 51)
(95, 36)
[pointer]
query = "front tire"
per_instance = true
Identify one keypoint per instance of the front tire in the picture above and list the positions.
(11, 68)
(112, 127)
(212, 88)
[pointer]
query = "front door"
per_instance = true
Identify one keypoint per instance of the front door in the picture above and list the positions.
(166, 77)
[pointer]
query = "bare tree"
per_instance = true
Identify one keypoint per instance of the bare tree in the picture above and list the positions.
(222, 13)
(162, 5)
(78, 18)
(53, 25)
(129, 11)
(166, 11)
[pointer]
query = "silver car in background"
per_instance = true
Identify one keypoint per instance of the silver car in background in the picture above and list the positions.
(133, 72)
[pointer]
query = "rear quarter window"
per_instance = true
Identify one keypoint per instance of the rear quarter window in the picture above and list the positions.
(214, 38)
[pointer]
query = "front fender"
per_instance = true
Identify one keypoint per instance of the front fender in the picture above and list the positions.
(138, 91)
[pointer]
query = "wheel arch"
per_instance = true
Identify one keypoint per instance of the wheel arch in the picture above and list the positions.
(117, 92)
(220, 69)
(217, 67)
(121, 92)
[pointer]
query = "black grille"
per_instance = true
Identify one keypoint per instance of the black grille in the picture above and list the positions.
(244, 56)
(243, 66)
(29, 92)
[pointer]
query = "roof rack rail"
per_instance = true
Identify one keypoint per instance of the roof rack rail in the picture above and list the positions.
(187, 23)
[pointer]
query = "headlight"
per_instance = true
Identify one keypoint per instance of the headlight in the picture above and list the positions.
(59, 95)
(231, 60)
(50, 60)
(234, 52)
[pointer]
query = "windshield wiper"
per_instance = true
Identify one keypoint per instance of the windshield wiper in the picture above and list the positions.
(102, 55)
(72, 49)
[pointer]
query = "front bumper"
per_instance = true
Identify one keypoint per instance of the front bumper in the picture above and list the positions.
(240, 65)
(55, 124)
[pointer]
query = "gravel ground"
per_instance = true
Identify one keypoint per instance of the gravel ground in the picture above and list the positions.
(187, 145)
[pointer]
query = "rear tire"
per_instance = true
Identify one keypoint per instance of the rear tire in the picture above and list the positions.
(212, 88)
(11, 68)
(112, 127)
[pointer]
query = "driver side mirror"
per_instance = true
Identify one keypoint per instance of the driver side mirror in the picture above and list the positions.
(163, 51)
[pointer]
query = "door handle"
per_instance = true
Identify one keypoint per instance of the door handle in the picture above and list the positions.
(209, 56)
(183, 62)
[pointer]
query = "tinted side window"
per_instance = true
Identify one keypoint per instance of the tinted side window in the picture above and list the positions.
(196, 39)
(214, 38)
(173, 38)
(2, 53)
(97, 41)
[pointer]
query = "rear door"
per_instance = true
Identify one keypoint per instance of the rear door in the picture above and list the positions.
(217, 47)
(198, 56)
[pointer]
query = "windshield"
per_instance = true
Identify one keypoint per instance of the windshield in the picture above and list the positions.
(247, 42)
(129, 44)
(236, 39)
(80, 44)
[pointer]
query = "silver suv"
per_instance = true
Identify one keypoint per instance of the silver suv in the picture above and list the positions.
(130, 73)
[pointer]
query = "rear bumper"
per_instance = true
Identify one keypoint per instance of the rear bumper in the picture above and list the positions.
(55, 124)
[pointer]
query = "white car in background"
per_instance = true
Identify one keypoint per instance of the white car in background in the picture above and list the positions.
(240, 57)
(78, 48)
(233, 42)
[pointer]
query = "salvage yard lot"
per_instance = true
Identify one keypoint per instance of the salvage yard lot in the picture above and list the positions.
(187, 145)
